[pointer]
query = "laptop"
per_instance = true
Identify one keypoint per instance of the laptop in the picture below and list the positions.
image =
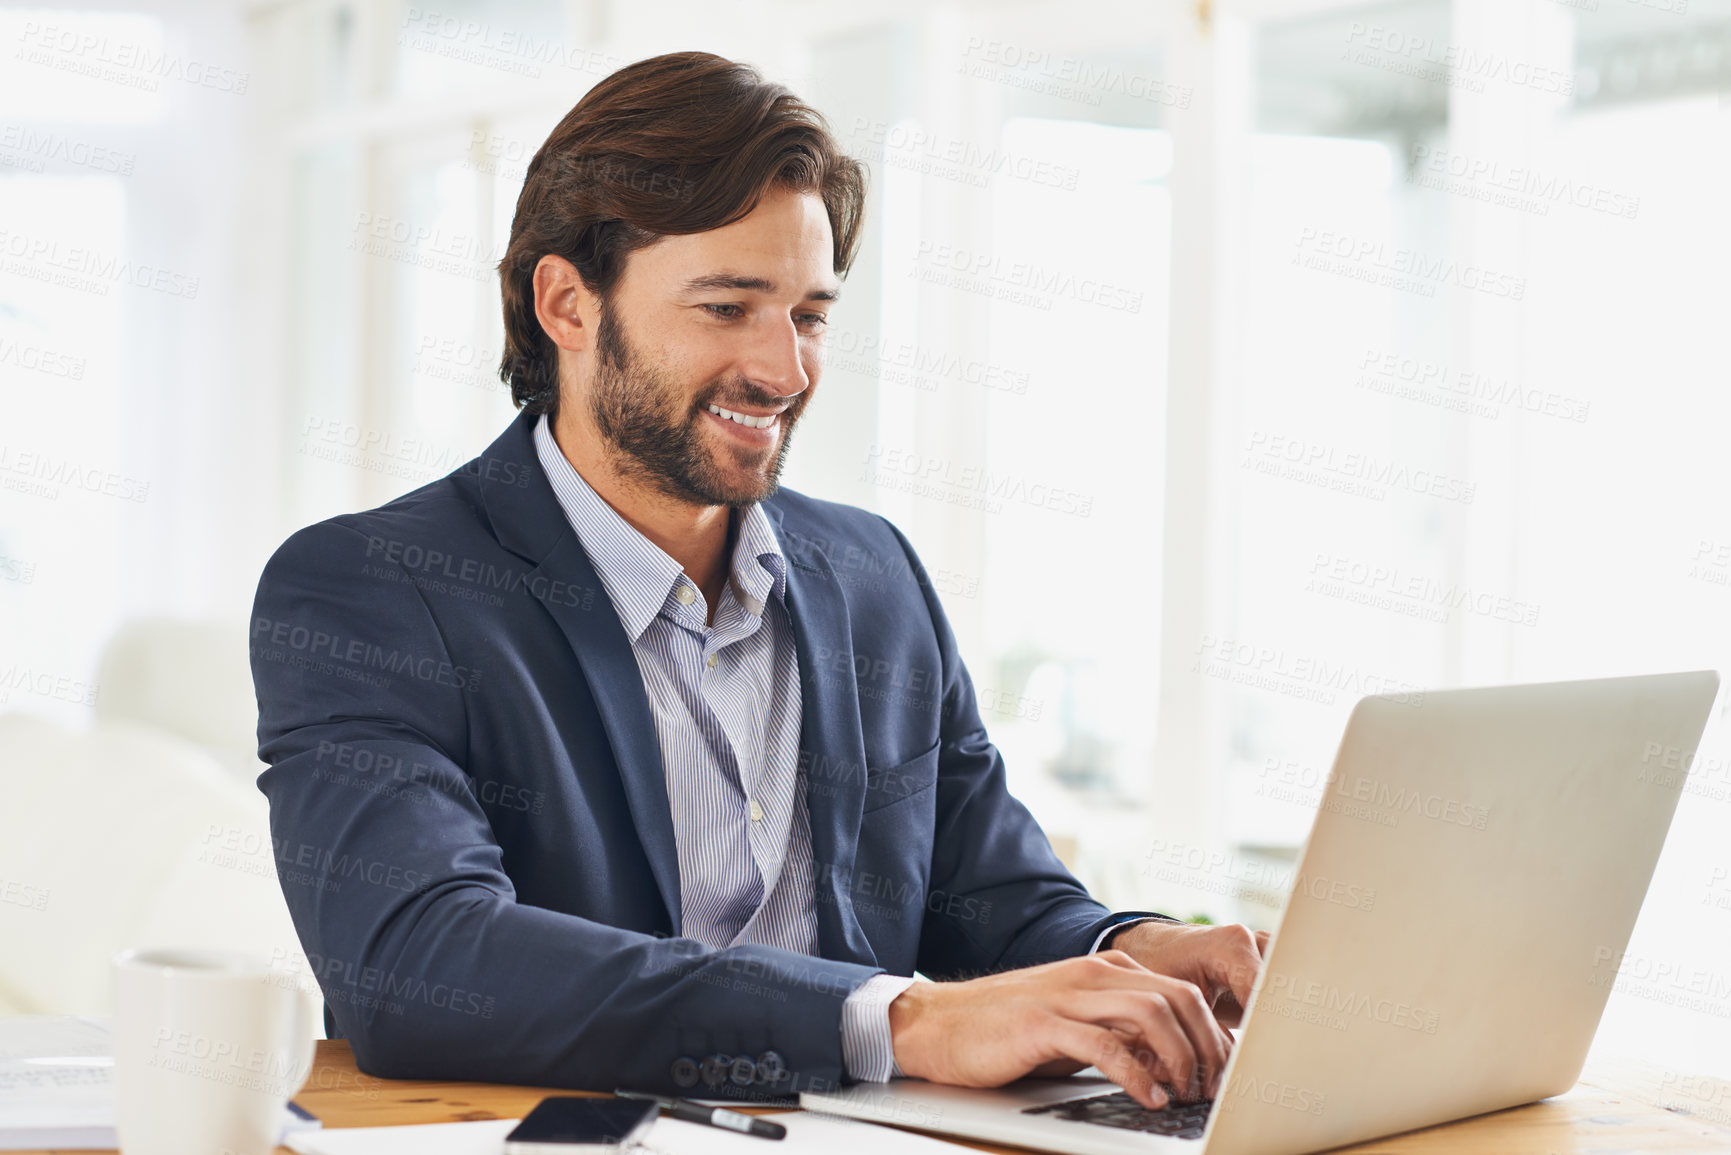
(1454, 930)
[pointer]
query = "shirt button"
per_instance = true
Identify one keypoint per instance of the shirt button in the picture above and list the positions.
(711, 662)
(685, 596)
(756, 811)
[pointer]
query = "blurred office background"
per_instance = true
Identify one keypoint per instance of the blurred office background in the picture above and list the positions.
(1225, 361)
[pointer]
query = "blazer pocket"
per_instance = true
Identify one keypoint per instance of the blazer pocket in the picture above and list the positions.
(888, 785)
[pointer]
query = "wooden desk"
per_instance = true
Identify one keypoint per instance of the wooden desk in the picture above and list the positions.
(1615, 1107)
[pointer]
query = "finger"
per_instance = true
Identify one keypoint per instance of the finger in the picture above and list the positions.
(1262, 940)
(1209, 1040)
(1235, 967)
(1227, 1012)
(1120, 960)
(1137, 978)
(1099, 1047)
(1152, 1019)
(1206, 1039)
(1151, 1015)
(1114, 970)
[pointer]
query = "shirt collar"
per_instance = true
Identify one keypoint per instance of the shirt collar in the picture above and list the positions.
(640, 577)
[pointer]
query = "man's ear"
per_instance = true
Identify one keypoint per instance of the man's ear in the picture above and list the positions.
(565, 306)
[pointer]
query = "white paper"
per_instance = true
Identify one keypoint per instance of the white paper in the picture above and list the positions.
(57, 1084)
(807, 1134)
(484, 1138)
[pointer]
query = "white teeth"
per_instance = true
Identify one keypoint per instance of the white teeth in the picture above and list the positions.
(742, 419)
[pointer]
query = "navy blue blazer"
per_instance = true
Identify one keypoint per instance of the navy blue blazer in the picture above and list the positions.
(470, 819)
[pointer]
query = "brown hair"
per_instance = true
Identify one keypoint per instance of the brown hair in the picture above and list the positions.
(676, 144)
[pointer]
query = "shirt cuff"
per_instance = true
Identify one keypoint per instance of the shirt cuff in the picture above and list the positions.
(866, 1048)
(1117, 926)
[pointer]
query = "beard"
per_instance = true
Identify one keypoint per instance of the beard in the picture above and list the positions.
(654, 434)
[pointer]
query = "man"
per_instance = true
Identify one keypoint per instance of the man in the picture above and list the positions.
(589, 764)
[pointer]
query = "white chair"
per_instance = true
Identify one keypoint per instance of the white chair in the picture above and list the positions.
(187, 678)
(120, 836)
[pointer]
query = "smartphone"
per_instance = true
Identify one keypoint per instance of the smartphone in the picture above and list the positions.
(565, 1123)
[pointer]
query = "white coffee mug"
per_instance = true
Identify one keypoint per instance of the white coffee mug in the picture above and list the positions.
(208, 1047)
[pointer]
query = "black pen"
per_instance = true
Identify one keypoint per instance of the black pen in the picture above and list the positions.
(711, 1116)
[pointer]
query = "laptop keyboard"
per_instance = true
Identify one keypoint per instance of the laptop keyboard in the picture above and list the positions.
(1181, 1120)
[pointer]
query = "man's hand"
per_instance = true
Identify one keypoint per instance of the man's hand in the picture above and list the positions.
(1104, 1010)
(1221, 960)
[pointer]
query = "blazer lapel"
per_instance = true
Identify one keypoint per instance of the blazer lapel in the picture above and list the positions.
(530, 522)
(832, 748)
(617, 686)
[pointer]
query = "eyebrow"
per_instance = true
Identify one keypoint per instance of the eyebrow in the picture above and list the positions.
(749, 284)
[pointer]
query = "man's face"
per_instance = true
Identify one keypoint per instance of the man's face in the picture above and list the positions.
(709, 351)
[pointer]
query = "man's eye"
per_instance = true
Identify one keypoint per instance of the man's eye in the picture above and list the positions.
(735, 312)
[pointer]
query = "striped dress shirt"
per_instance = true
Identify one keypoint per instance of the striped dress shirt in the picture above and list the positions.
(726, 702)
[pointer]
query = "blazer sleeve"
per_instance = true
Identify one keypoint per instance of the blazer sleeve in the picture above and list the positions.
(989, 849)
(429, 964)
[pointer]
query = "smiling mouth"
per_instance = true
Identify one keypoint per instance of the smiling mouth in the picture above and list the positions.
(745, 419)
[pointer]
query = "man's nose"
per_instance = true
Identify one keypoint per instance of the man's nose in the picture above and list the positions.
(773, 361)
